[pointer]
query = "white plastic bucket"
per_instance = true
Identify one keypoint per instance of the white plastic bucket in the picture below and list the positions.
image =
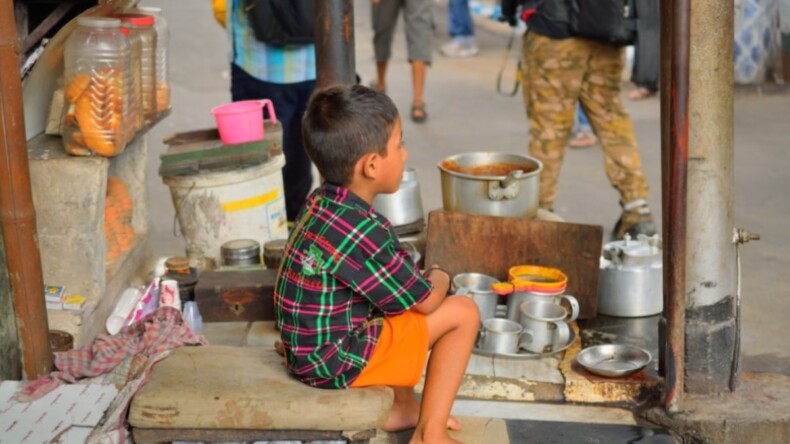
(213, 208)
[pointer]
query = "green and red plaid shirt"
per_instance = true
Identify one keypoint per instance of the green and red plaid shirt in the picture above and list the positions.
(342, 272)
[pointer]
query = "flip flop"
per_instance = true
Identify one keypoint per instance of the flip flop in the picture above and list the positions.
(418, 113)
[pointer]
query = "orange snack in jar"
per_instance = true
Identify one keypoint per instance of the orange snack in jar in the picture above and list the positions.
(77, 86)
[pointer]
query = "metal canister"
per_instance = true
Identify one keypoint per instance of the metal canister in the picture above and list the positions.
(273, 251)
(241, 252)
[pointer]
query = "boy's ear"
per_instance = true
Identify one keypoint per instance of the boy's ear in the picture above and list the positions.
(370, 165)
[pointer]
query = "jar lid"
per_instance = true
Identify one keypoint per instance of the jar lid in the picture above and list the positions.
(136, 19)
(177, 263)
(240, 249)
(152, 10)
(99, 22)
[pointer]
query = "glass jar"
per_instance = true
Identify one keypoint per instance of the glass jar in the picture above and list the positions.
(162, 53)
(135, 113)
(97, 60)
(144, 26)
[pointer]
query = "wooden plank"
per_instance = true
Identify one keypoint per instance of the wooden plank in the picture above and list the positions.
(144, 435)
(461, 242)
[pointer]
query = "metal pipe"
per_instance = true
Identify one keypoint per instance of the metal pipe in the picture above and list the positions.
(17, 214)
(711, 271)
(665, 78)
(334, 42)
(674, 230)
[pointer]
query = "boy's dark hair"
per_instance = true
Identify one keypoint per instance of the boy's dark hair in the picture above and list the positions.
(341, 124)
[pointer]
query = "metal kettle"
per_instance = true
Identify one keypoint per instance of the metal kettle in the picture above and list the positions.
(404, 206)
(631, 282)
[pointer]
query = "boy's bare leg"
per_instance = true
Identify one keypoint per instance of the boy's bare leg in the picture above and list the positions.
(452, 330)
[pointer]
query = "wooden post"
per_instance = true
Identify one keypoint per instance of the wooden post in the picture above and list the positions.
(17, 214)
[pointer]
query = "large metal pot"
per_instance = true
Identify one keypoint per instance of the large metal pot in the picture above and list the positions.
(631, 278)
(495, 184)
(404, 206)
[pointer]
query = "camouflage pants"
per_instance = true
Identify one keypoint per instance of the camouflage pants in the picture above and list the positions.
(558, 74)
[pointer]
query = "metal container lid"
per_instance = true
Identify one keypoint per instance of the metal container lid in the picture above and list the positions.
(642, 251)
(240, 249)
(275, 247)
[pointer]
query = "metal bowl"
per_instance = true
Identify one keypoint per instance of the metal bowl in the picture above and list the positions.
(613, 360)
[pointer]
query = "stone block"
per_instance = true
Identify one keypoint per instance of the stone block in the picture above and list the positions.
(69, 198)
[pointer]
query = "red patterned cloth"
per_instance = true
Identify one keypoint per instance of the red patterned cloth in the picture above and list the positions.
(158, 332)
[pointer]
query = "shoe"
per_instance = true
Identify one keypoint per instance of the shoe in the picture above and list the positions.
(640, 93)
(635, 220)
(418, 113)
(582, 139)
(456, 49)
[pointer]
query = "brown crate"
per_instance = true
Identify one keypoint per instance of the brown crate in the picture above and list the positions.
(239, 295)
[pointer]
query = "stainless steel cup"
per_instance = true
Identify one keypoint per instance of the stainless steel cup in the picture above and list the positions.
(478, 287)
(500, 335)
(544, 327)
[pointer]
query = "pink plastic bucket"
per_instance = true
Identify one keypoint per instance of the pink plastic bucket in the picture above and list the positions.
(242, 122)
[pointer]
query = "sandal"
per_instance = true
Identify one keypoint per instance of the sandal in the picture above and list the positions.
(418, 113)
(640, 93)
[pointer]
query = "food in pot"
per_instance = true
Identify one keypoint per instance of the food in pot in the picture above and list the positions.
(486, 169)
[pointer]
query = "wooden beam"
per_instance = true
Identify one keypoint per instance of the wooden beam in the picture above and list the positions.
(45, 26)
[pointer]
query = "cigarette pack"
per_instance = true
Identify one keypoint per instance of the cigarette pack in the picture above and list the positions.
(73, 302)
(54, 305)
(54, 293)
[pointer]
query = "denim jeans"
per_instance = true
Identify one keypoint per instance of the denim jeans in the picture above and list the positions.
(460, 19)
(581, 123)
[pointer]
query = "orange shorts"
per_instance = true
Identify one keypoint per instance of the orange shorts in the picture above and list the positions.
(399, 357)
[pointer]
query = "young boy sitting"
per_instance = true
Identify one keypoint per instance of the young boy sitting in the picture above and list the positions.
(351, 305)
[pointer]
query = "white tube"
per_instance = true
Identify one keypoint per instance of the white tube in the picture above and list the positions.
(125, 305)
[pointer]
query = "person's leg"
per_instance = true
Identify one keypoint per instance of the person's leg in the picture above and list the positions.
(452, 330)
(290, 101)
(552, 72)
(418, 23)
(600, 98)
(461, 30)
(582, 135)
(384, 18)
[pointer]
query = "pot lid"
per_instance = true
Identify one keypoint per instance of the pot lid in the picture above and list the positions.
(643, 250)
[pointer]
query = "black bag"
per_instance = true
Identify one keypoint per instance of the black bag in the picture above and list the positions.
(281, 22)
(608, 21)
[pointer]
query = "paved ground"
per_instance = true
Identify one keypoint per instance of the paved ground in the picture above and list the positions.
(467, 115)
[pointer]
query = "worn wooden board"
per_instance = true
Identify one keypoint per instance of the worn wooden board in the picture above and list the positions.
(461, 242)
(238, 295)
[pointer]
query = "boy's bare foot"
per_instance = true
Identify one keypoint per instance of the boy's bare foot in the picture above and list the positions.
(279, 347)
(405, 416)
(424, 438)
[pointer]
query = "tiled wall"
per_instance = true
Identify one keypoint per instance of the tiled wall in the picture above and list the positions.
(756, 27)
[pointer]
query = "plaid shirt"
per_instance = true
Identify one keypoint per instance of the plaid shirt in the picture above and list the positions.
(342, 272)
(283, 65)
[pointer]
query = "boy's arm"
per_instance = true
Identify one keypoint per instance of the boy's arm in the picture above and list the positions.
(441, 285)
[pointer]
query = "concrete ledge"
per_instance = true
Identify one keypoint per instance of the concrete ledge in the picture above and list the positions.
(584, 387)
(757, 412)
